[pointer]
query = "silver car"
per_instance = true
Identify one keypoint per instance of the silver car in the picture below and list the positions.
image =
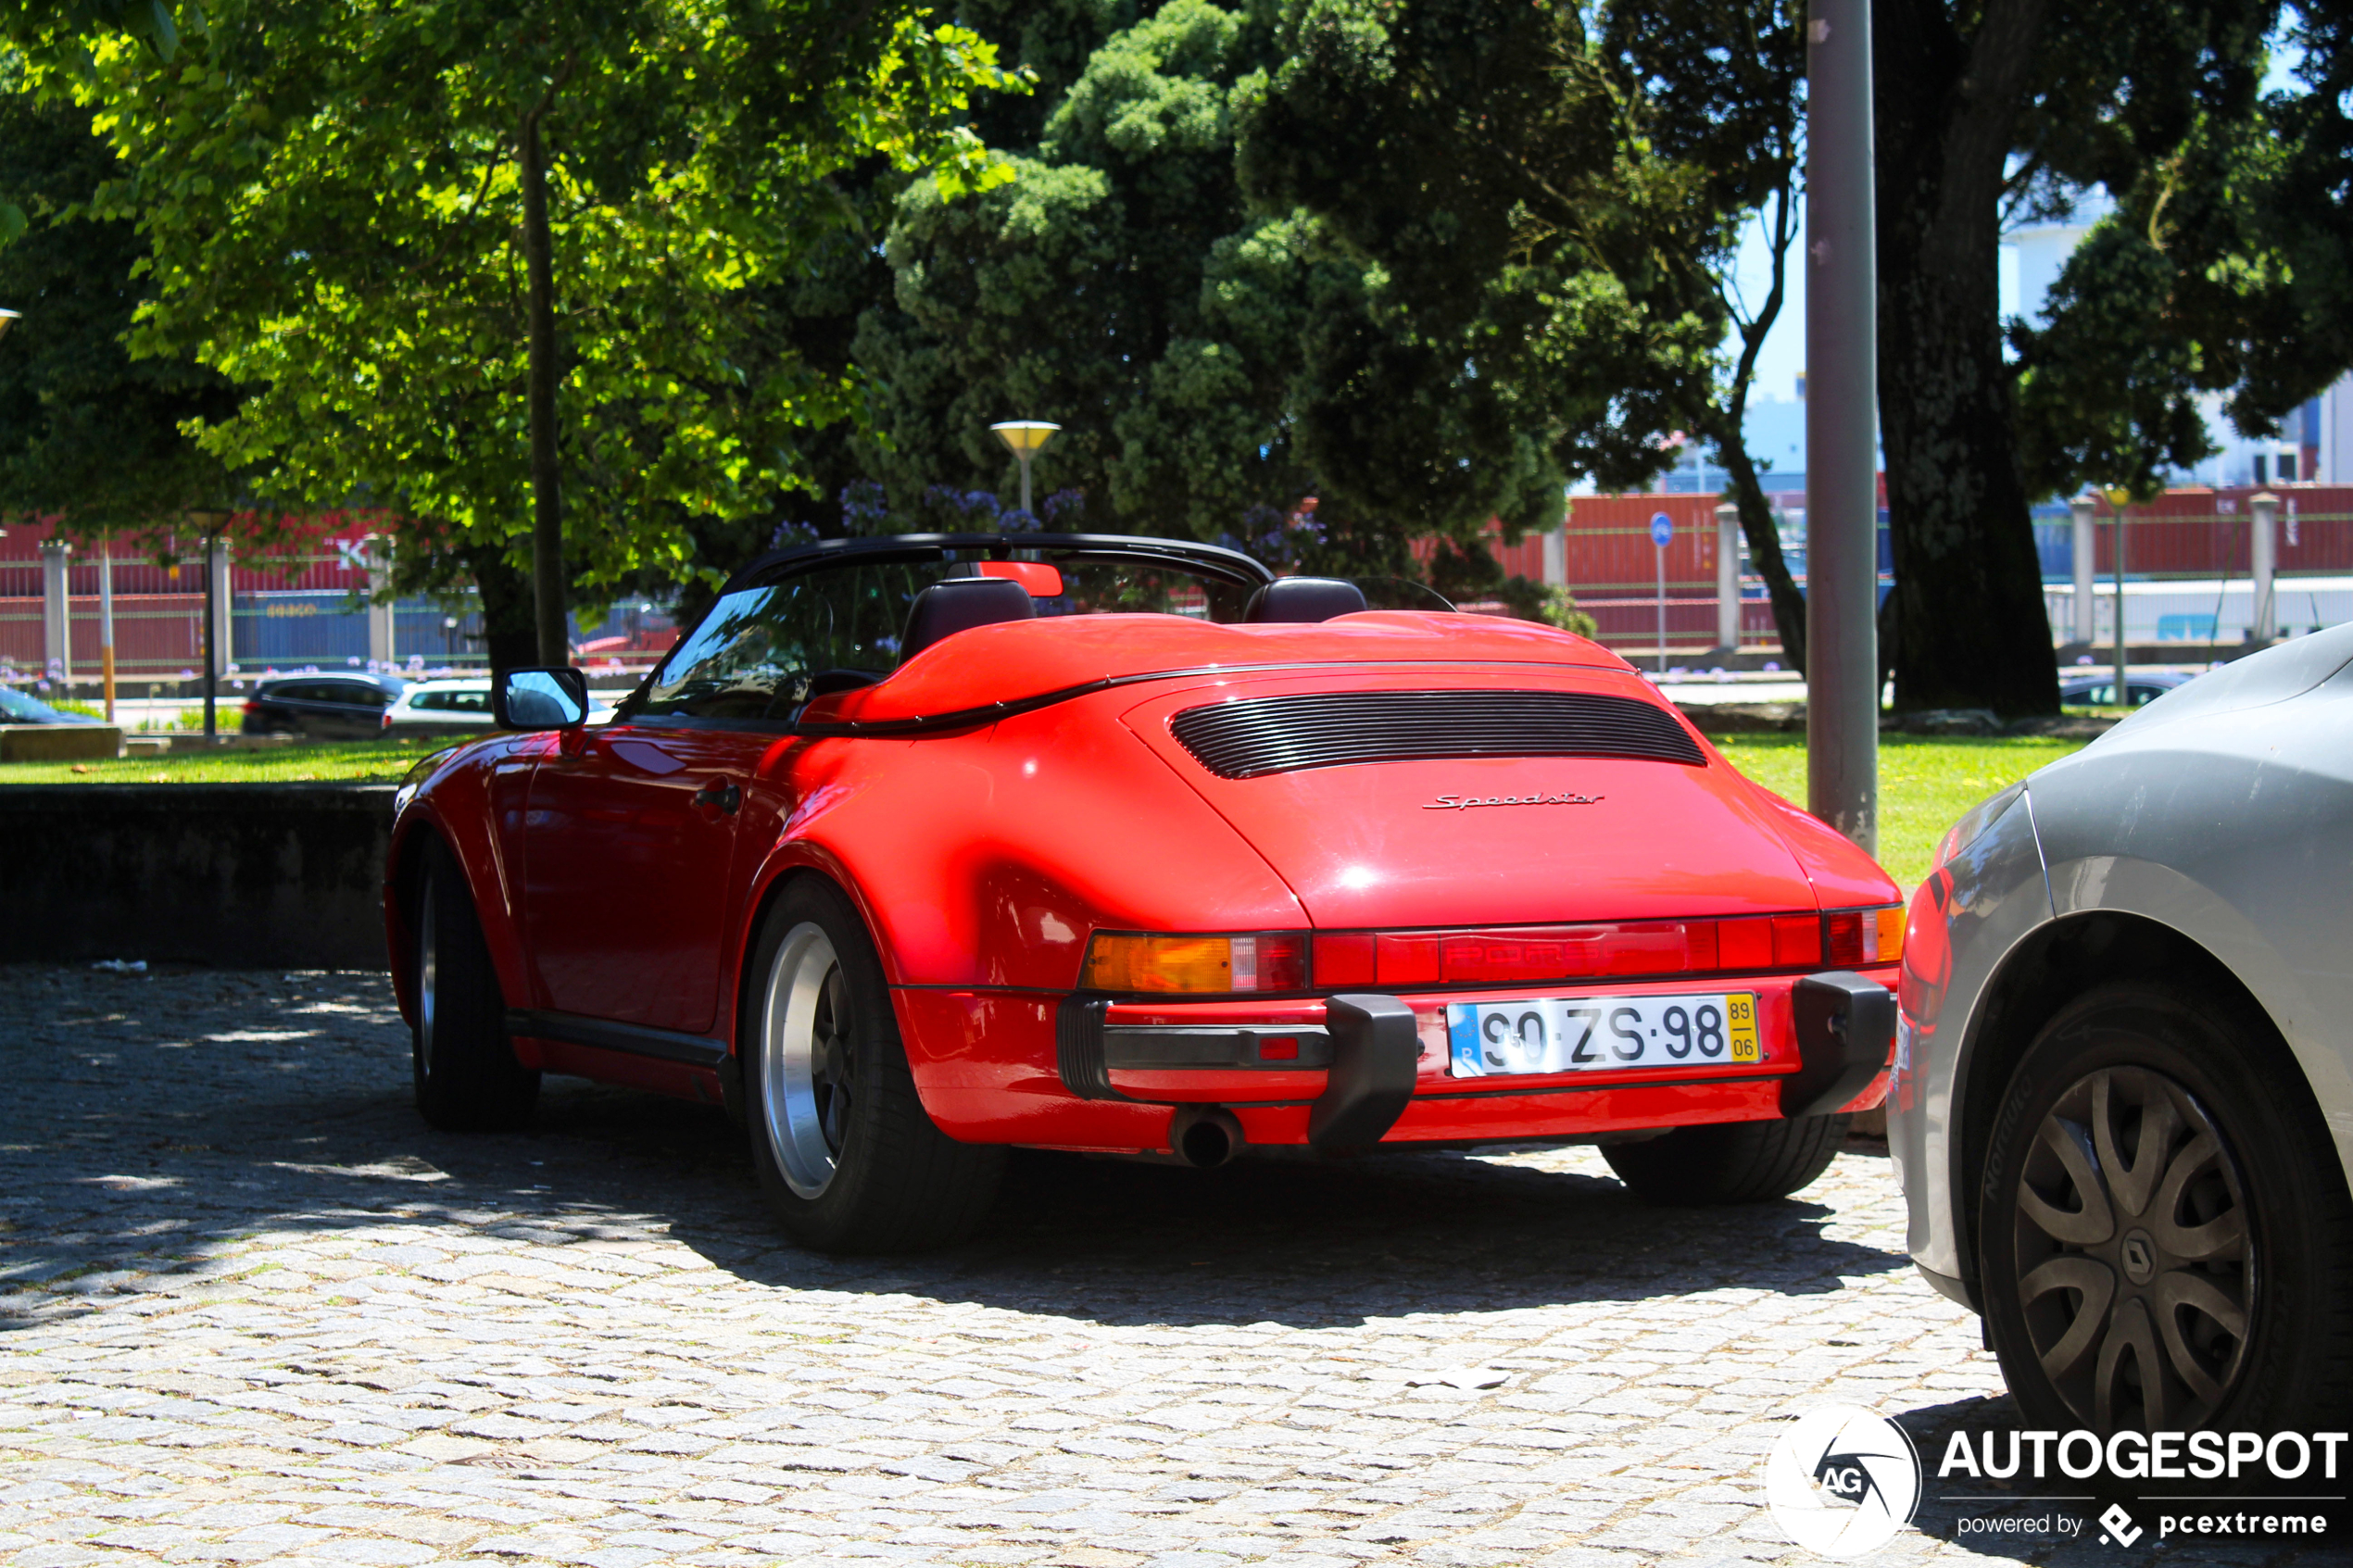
(2123, 1109)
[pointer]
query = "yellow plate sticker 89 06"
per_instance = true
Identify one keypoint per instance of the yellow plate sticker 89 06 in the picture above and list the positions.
(1740, 1025)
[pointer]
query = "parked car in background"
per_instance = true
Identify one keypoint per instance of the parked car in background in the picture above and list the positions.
(15, 707)
(343, 707)
(459, 706)
(916, 848)
(2122, 1112)
(2142, 687)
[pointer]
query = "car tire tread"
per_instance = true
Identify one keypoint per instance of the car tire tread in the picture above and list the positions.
(1729, 1162)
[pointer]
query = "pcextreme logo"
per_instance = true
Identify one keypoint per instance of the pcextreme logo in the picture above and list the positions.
(1842, 1481)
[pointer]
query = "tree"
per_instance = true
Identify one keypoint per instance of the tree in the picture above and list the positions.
(2219, 273)
(1722, 79)
(1981, 108)
(88, 435)
(499, 262)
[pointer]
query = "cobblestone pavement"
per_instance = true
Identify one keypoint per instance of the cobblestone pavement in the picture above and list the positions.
(252, 1309)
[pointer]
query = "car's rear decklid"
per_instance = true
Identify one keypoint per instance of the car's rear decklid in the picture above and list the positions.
(1454, 797)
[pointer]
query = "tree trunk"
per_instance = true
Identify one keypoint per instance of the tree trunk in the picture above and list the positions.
(510, 636)
(1970, 630)
(546, 497)
(1764, 539)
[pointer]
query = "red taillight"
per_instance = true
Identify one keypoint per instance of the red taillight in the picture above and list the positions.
(1519, 955)
(252, 707)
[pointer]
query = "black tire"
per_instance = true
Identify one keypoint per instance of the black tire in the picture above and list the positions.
(468, 1080)
(2244, 1156)
(1729, 1161)
(840, 1142)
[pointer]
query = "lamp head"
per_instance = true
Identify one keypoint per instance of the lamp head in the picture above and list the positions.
(7, 318)
(1024, 438)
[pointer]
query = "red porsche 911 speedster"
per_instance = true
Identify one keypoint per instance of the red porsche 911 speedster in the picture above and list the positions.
(917, 848)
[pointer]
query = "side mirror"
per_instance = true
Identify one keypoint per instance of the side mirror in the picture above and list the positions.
(539, 700)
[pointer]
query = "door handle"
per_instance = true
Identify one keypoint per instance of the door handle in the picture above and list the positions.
(721, 794)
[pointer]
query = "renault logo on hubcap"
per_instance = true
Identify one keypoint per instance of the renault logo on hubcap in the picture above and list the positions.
(2140, 1257)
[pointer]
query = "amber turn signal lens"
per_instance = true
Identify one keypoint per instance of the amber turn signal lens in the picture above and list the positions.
(1196, 965)
(1883, 935)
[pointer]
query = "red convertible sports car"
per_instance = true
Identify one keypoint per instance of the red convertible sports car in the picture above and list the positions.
(917, 848)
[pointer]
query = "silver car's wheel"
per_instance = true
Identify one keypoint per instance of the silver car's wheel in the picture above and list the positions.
(2135, 1278)
(808, 1062)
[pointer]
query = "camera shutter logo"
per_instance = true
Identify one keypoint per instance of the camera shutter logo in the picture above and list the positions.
(1840, 1481)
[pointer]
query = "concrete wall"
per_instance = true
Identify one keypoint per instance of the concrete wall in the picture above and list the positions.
(261, 875)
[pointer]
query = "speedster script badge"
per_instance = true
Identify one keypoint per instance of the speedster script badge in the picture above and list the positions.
(1464, 802)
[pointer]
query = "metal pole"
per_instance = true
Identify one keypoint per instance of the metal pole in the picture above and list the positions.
(211, 643)
(105, 624)
(2264, 564)
(2123, 695)
(1842, 370)
(1728, 577)
(2081, 512)
(1660, 550)
(1025, 486)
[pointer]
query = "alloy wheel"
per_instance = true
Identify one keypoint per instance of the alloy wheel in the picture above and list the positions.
(2137, 1271)
(428, 981)
(807, 1060)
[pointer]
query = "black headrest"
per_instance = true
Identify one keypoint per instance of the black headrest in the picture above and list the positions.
(1304, 598)
(958, 605)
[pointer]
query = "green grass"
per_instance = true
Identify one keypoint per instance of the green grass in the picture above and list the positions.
(1925, 783)
(356, 760)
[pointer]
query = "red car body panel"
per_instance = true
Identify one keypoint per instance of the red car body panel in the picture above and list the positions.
(1016, 788)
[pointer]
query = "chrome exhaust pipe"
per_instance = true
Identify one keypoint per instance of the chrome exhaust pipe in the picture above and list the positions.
(1205, 1136)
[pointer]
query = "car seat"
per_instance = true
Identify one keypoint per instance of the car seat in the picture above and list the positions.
(1303, 598)
(959, 604)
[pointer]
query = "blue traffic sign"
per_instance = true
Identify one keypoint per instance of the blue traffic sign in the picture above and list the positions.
(1662, 530)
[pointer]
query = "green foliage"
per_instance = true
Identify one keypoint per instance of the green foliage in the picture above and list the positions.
(331, 201)
(87, 434)
(1542, 273)
(2218, 274)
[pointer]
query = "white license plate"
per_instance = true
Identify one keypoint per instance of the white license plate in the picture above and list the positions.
(1600, 1033)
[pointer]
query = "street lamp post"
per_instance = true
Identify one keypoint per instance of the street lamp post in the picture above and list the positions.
(1025, 439)
(2116, 496)
(209, 524)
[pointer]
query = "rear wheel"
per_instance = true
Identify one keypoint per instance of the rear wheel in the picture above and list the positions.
(466, 1074)
(1729, 1162)
(2165, 1238)
(841, 1144)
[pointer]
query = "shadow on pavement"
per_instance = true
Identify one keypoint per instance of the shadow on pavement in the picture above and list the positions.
(153, 1118)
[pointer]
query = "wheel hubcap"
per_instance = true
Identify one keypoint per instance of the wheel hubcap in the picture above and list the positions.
(428, 980)
(808, 1060)
(2136, 1275)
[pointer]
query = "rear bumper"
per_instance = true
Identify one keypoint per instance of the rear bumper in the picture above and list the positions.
(1094, 1073)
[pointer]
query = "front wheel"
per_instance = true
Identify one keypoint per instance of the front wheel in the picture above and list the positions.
(2165, 1238)
(840, 1142)
(467, 1078)
(1731, 1161)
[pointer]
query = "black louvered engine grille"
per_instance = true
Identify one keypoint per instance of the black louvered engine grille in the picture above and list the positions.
(1281, 735)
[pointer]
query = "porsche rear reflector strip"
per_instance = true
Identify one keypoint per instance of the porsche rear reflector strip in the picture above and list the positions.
(1519, 955)
(1253, 737)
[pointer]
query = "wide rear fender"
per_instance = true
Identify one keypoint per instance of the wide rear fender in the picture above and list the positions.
(988, 857)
